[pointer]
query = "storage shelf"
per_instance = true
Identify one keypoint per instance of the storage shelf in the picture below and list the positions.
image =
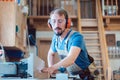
(112, 17)
(46, 17)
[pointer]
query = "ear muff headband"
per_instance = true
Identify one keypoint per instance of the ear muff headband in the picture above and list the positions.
(68, 23)
(49, 25)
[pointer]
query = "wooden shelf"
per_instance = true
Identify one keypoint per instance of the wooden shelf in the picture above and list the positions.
(38, 17)
(112, 22)
(46, 17)
(40, 22)
(112, 17)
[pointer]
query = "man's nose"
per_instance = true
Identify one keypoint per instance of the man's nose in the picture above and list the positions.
(56, 24)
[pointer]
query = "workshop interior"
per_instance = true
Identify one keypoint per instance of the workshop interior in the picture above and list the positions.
(25, 37)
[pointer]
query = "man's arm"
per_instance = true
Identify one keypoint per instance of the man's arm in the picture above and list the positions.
(69, 60)
(50, 57)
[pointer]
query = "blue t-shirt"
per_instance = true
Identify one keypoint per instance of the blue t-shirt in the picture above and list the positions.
(76, 39)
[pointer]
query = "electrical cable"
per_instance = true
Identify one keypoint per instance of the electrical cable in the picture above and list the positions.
(27, 35)
(32, 39)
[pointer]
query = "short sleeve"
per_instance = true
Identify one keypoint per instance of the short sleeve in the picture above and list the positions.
(77, 40)
(53, 43)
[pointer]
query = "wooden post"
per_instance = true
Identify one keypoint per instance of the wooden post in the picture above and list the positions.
(38, 7)
(79, 16)
(116, 7)
(112, 7)
(103, 7)
(107, 7)
(34, 7)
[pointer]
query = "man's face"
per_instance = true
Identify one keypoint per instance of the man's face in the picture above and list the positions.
(58, 23)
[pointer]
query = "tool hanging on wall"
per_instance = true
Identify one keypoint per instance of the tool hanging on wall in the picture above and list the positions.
(2, 54)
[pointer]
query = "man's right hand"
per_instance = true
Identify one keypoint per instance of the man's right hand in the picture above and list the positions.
(44, 70)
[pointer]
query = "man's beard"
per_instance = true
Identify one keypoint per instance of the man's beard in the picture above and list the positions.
(59, 33)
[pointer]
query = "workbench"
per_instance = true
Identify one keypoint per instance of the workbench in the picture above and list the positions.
(26, 79)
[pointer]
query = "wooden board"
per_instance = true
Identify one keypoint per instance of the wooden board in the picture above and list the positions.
(7, 23)
(12, 26)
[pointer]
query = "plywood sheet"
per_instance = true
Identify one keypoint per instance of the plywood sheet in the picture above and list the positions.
(7, 23)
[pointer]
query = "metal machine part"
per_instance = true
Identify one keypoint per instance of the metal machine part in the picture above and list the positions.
(7, 68)
(14, 69)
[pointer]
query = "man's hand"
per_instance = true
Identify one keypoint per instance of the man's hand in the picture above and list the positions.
(44, 70)
(50, 70)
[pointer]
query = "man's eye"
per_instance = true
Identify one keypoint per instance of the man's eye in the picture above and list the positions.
(60, 20)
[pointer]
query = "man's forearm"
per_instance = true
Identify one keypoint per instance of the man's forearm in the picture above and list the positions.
(65, 63)
(70, 59)
(50, 59)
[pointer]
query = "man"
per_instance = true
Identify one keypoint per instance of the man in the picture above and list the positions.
(69, 44)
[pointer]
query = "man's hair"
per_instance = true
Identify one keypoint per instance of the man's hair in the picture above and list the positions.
(60, 11)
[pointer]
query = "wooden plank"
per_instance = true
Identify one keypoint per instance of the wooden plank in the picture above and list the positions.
(115, 27)
(116, 1)
(93, 44)
(12, 26)
(38, 17)
(91, 38)
(105, 59)
(90, 32)
(7, 29)
(94, 52)
(88, 22)
(107, 21)
(101, 30)
(38, 6)
(46, 17)
(98, 59)
(114, 17)
(34, 9)
(79, 16)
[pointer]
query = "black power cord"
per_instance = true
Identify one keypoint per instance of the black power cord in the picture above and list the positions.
(32, 39)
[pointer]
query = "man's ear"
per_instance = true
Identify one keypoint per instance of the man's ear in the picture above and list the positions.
(49, 25)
